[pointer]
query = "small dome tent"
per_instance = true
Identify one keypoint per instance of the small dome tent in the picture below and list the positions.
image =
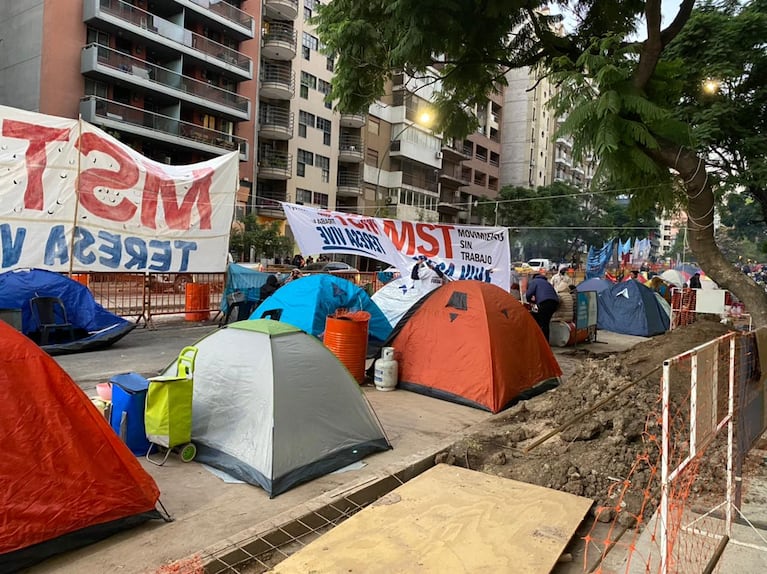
(68, 480)
(594, 284)
(305, 303)
(631, 308)
(274, 407)
(94, 327)
(472, 343)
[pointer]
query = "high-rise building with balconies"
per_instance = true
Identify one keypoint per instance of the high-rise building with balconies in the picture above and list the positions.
(413, 173)
(307, 153)
(173, 79)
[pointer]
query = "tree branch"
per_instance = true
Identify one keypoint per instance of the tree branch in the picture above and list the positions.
(671, 31)
(652, 48)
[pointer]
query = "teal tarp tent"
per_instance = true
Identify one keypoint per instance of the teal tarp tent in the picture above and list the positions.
(305, 303)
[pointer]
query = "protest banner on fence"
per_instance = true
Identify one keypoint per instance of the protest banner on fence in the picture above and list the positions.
(460, 251)
(74, 198)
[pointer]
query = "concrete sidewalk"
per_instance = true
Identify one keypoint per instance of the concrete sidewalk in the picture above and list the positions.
(207, 510)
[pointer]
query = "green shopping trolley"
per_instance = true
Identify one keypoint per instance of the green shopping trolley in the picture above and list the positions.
(168, 411)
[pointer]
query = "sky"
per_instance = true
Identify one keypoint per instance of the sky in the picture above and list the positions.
(669, 9)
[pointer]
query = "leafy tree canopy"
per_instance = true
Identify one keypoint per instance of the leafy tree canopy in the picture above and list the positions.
(619, 75)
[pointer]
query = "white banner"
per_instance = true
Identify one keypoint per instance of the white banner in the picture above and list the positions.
(73, 197)
(460, 251)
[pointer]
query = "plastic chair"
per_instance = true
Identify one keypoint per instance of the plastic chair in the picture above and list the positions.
(51, 317)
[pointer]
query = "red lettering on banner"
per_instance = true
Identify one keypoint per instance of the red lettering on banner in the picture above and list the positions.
(432, 244)
(160, 186)
(36, 159)
(155, 185)
(404, 242)
(180, 216)
(124, 178)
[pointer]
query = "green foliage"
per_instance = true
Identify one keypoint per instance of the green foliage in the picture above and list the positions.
(725, 41)
(553, 221)
(266, 240)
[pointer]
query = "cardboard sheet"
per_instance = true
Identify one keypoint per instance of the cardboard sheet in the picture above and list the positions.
(449, 519)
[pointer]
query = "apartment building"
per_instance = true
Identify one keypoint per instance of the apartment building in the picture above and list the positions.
(307, 153)
(566, 168)
(527, 149)
(413, 173)
(170, 78)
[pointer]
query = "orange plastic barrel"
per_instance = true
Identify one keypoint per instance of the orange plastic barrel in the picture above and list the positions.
(346, 335)
(82, 278)
(197, 302)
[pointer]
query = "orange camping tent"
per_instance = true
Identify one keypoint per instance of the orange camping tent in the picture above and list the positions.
(67, 478)
(473, 343)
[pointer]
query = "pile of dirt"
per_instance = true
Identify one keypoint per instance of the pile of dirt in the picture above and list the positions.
(602, 450)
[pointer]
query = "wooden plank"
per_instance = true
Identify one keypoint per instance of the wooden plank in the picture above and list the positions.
(449, 519)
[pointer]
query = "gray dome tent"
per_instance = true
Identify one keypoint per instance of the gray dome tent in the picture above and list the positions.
(274, 407)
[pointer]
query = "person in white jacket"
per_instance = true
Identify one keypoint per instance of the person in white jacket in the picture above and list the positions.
(561, 278)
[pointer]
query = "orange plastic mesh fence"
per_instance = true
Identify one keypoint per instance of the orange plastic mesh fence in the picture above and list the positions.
(627, 535)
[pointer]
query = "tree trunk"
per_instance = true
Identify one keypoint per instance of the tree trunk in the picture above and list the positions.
(700, 231)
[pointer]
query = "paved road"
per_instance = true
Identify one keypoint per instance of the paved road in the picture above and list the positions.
(144, 351)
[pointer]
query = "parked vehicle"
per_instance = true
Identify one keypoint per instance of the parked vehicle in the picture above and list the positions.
(541, 264)
(329, 267)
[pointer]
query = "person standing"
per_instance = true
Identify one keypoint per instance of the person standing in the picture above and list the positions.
(561, 278)
(542, 294)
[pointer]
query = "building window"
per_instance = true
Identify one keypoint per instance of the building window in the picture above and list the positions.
(321, 199)
(303, 196)
(326, 126)
(371, 157)
(305, 119)
(94, 88)
(331, 64)
(307, 81)
(307, 13)
(323, 163)
(308, 43)
(323, 87)
(304, 158)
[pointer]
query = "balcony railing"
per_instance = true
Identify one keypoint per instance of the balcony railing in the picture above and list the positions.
(455, 174)
(351, 147)
(168, 78)
(287, 9)
(277, 164)
(281, 77)
(349, 180)
(129, 115)
(277, 32)
(419, 182)
(272, 118)
(226, 10)
(167, 29)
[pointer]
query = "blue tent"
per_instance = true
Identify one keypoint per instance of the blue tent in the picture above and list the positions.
(632, 309)
(595, 284)
(94, 326)
(305, 303)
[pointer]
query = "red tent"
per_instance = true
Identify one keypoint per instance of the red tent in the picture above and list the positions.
(473, 343)
(67, 479)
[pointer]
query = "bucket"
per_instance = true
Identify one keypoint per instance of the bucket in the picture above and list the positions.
(346, 335)
(564, 334)
(197, 302)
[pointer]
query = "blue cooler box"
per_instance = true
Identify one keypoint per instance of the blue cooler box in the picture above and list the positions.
(127, 418)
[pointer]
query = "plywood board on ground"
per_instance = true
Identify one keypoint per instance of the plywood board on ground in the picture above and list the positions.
(449, 519)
